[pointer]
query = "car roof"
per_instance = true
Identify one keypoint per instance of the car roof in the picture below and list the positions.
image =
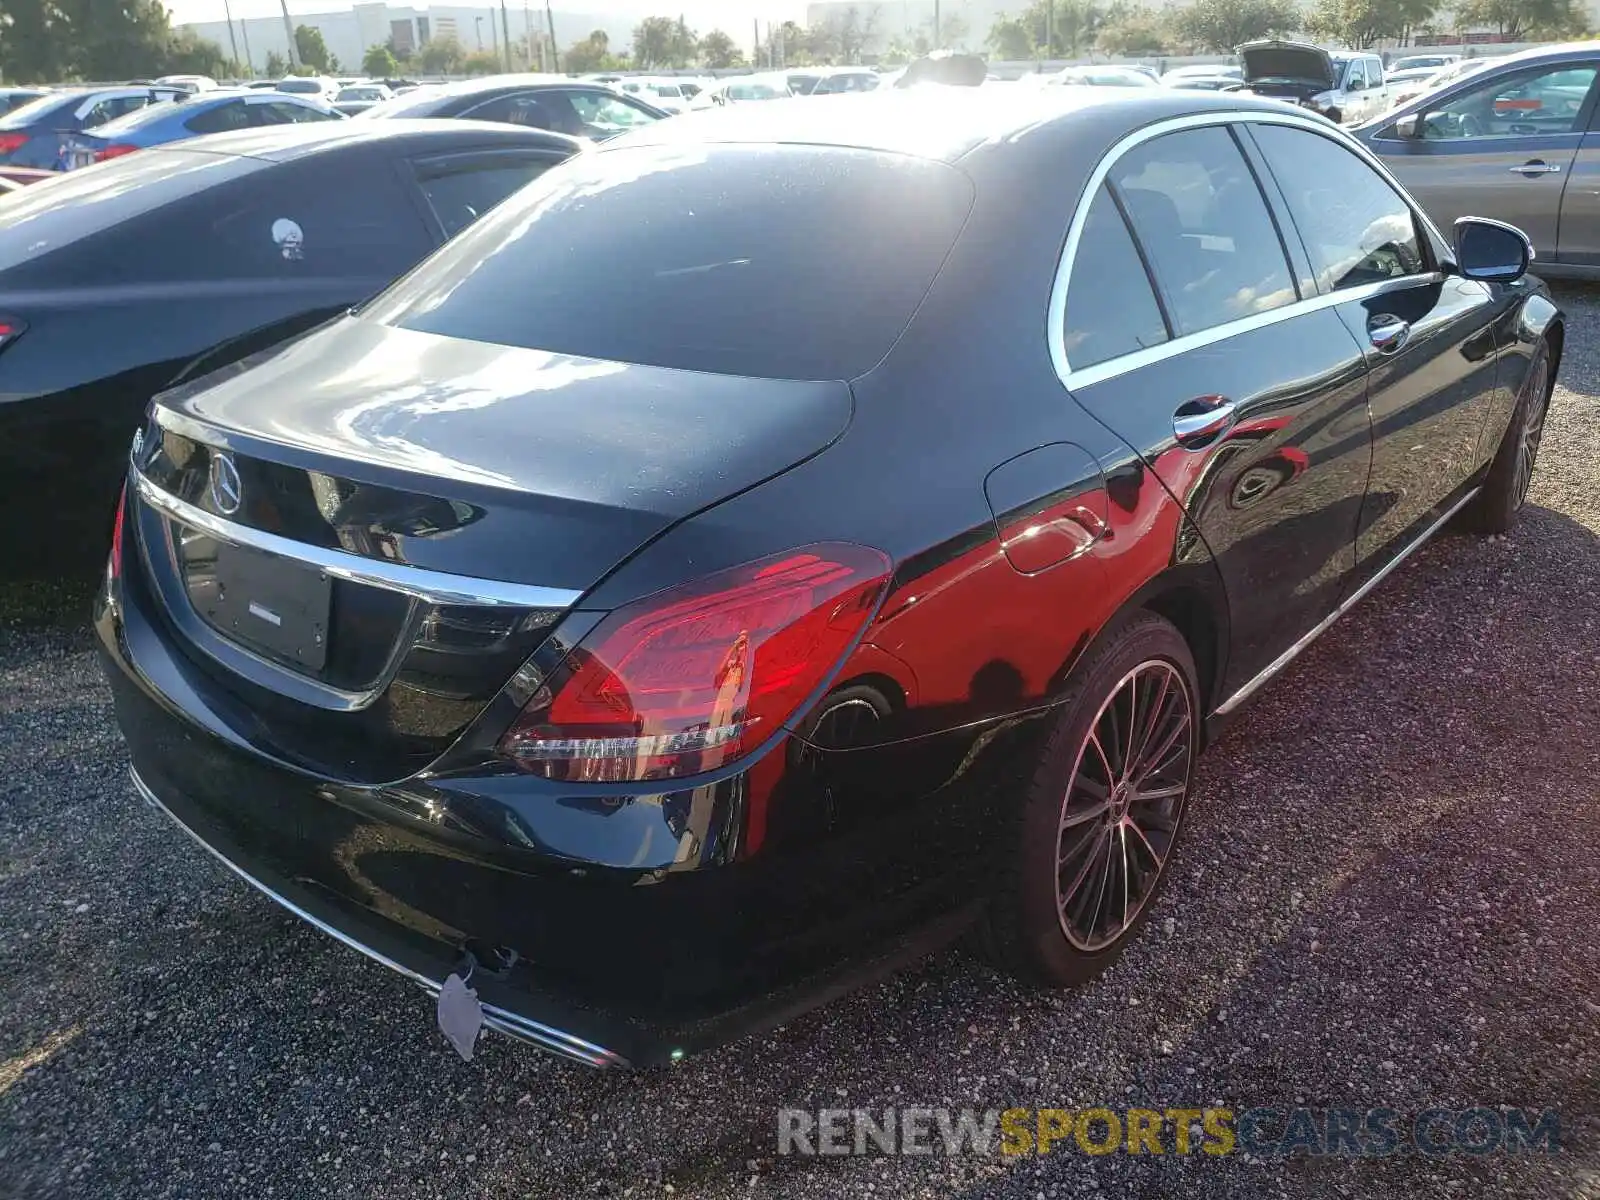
(936, 121)
(1565, 50)
(285, 143)
(489, 83)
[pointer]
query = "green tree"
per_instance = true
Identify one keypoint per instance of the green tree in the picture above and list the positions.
(1011, 39)
(1132, 31)
(718, 51)
(1357, 23)
(379, 63)
(440, 56)
(1520, 20)
(276, 68)
(191, 55)
(1221, 26)
(654, 42)
(591, 54)
(481, 62)
(1413, 15)
(312, 49)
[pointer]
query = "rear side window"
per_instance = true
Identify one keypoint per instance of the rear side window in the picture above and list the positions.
(276, 112)
(790, 262)
(1111, 308)
(1204, 227)
(463, 187)
(59, 213)
(221, 119)
(1355, 227)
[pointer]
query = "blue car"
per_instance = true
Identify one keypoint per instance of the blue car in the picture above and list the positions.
(189, 116)
(36, 134)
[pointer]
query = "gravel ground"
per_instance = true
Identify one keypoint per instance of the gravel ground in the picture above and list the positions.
(1388, 897)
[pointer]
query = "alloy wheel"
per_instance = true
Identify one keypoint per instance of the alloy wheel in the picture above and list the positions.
(1532, 431)
(1119, 818)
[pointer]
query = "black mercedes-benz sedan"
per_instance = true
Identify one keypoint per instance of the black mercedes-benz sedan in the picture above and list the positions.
(120, 280)
(775, 542)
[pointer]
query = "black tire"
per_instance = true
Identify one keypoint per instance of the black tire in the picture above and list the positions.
(1506, 488)
(1027, 929)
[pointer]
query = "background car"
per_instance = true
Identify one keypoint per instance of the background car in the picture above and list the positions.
(1403, 94)
(1204, 71)
(1345, 88)
(1425, 62)
(38, 133)
(568, 106)
(15, 97)
(1204, 83)
(1105, 77)
(665, 94)
(189, 83)
(318, 87)
(126, 277)
(742, 89)
(833, 83)
(210, 112)
(1504, 142)
(358, 97)
(680, 619)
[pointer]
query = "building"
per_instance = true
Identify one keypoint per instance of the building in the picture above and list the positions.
(349, 34)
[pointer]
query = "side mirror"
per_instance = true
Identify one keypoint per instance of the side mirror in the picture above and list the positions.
(1491, 251)
(1409, 127)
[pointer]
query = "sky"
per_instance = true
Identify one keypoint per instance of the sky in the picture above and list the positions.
(732, 16)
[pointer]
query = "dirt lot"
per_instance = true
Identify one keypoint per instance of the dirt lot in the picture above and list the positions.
(1389, 896)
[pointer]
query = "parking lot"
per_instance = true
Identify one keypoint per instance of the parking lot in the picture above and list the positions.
(1388, 897)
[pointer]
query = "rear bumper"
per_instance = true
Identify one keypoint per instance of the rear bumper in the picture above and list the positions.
(645, 926)
(393, 955)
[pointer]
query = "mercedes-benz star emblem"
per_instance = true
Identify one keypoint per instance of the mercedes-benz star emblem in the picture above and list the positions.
(226, 491)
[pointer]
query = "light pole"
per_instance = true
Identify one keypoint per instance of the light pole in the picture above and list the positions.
(227, 11)
(505, 33)
(288, 28)
(479, 27)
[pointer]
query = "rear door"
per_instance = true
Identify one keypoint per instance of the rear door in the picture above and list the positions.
(1192, 329)
(1578, 236)
(1501, 147)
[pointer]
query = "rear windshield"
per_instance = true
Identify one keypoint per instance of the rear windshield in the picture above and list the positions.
(791, 262)
(301, 86)
(27, 114)
(54, 213)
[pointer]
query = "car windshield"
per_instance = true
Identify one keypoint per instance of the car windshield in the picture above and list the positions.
(361, 93)
(302, 86)
(666, 89)
(688, 273)
(755, 91)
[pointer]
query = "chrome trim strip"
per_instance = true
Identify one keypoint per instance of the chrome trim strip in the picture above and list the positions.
(433, 587)
(512, 1024)
(1289, 655)
(1111, 368)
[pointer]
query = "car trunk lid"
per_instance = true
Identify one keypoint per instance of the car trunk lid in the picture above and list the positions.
(361, 536)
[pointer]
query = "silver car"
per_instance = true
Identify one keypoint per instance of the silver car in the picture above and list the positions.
(1517, 142)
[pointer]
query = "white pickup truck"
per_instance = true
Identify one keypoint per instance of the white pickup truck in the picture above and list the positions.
(1345, 87)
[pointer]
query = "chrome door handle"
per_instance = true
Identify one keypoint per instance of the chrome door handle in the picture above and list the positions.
(1536, 167)
(1387, 332)
(1202, 420)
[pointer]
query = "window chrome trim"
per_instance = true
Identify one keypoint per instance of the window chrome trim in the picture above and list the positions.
(1056, 332)
(432, 587)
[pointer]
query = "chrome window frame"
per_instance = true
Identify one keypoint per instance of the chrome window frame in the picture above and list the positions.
(1056, 332)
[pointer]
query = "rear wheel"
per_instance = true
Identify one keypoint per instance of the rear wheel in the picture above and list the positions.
(1100, 819)
(1506, 487)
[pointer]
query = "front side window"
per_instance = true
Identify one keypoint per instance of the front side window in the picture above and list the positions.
(460, 189)
(1522, 105)
(1204, 227)
(603, 115)
(1357, 229)
(278, 113)
(1111, 308)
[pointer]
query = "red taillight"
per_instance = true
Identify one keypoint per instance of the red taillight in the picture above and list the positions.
(115, 150)
(114, 563)
(696, 676)
(10, 330)
(12, 142)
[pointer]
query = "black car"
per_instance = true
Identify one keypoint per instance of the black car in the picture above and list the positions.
(658, 623)
(570, 106)
(38, 133)
(121, 279)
